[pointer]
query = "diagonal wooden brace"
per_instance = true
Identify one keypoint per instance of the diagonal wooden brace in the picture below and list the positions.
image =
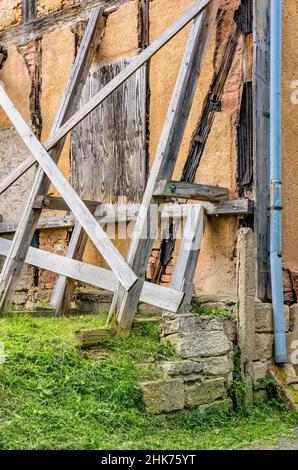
(100, 239)
(165, 159)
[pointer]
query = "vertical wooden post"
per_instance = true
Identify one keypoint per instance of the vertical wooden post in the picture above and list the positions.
(65, 287)
(29, 10)
(261, 141)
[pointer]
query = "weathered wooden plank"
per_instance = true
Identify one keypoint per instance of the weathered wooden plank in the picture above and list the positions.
(140, 60)
(78, 208)
(261, 141)
(119, 149)
(237, 207)
(165, 158)
(118, 144)
(161, 297)
(180, 189)
(107, 214)
(26, 228)
(58, 204)
(64, 287)
(211, 105)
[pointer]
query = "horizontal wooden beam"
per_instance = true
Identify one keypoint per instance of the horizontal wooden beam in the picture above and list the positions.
(158, 296)
(24, 33)
(236, 207)
(180, 189)
(107, 213)
(58, 203)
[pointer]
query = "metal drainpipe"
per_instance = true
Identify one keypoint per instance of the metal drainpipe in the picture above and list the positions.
(275, 182)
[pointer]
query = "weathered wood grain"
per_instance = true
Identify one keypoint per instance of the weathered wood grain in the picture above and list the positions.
(24, 33)
(108, 148)
(107, 214)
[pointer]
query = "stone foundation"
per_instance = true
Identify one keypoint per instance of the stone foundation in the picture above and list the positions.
(201, 376)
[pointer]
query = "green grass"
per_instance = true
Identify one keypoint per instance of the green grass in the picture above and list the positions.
(53, 396)
(199, 309)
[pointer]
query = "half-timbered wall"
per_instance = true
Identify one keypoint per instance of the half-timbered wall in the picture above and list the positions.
(44, 51)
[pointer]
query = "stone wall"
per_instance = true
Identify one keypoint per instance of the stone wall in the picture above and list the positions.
(205, 347)
(204, 371)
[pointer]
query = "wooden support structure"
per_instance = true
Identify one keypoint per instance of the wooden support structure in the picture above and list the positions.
(59, 204)
(141, 244)
(126, 279)
(161, 297)
(105, 214)
(261, 141)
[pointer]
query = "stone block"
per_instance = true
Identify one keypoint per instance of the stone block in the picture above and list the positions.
(263, 346)
(294, 318)
(230, 327)
(260, 370)
(204, 393)
(264, 317)
(217, 365)
(181, 367)
(200, 344)
(20, 298)
(163, 396)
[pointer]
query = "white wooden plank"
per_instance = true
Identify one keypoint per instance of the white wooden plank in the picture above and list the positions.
(192, 241)
(162, 297)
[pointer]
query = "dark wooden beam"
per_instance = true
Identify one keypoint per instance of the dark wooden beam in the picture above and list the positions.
(58, 203)
(180, 189)
(29, 10)
(26, 32)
